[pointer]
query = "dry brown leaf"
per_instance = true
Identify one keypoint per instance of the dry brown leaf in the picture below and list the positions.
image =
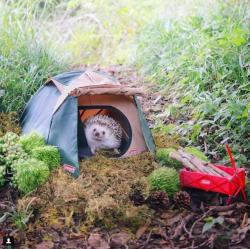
(142, 229)
(95, 241)
(119, 239)
(45, 245)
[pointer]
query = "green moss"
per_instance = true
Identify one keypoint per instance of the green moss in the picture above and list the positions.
(31, 141)
(162, 140)
(162, 155)
(166, 179)
(194, 151)
(10, 138)
(2, 174)
(30, 174)
(8, 123)
(48, 154)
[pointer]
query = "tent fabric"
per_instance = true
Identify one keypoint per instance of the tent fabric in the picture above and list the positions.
(92, 83)
(145, 129)
(38, 115)
(54, 112)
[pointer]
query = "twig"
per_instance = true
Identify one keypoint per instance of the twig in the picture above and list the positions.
(244, 221)
(205, 146)
(201, 218)
(222, 208)
(157, 99)
(147, 241)
(182, 225)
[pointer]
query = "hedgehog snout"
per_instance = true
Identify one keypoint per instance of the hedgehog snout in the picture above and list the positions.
(98, 133)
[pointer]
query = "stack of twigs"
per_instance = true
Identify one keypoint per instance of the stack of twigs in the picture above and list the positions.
(195, 164)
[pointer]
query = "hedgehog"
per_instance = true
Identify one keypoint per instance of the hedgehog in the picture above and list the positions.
(103, 132)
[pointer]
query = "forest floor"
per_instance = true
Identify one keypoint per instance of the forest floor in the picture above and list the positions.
(60, 223)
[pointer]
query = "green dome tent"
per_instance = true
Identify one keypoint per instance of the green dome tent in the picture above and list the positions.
(60, 107)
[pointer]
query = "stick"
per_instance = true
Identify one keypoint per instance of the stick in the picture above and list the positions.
(221, 172)
(210, 169)
(198, 164)
(184, 161)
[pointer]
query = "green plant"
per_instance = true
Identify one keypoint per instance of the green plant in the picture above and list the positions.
(2, 174)
(10, 138)
(10, 153)
(162, 155)
(210, 222)
(30, 174)
(31, 141)
(25, 61)
(48, 154)
(166, 179)
(20, 216)
(204, 59)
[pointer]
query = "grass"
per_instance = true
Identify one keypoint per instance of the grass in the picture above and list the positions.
(25, 63)
(202, 63)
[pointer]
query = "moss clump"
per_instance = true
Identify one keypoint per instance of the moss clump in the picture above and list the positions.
(162, 155)
(100, 195)
(31, 141)
(9, 123)
(9, 138)
(30, 174)
(165, 141)
(197, 153)
(48, 154)
(2, 174)
(166, 179)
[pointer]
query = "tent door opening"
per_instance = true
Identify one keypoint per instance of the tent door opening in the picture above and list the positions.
(84, 112)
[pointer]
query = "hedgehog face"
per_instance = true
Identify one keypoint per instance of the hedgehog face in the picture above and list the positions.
(100, 133)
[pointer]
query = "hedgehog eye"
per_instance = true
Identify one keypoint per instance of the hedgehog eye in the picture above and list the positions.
(94, 129)
(103, 132)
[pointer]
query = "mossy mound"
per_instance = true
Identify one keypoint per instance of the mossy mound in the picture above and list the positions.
(31, 141)
(30, 174)
(165, 141)
(166, 179)
(162, 155)
(197, 153)
(48, 154)
(100, 195)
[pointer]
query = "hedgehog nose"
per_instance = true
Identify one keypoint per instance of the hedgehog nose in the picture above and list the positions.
(97, 134)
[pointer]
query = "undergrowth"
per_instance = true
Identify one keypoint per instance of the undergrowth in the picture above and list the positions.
(25, 62)
(201, 64)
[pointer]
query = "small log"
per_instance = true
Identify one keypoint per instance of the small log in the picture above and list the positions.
(184, 161)
(208, 170)
(219, 171)
(208, 167)
(195, 164)
(198, 164)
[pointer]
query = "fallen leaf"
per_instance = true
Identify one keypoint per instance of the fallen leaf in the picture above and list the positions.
(95, 241)
(45, 245)
(119, 239)
(141, 230)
